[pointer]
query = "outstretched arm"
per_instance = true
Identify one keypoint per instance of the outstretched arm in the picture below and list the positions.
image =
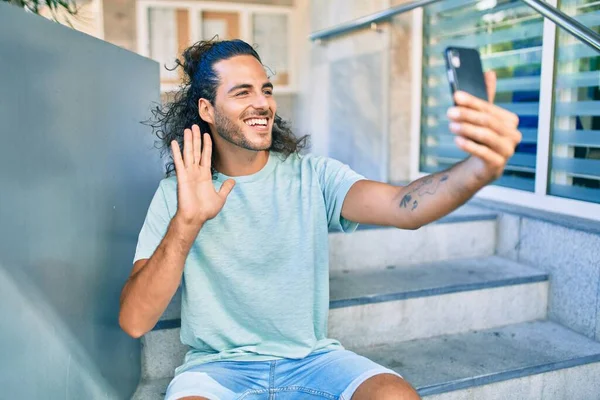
(485, 131)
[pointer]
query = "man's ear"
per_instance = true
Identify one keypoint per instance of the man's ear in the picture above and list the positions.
(206, 111)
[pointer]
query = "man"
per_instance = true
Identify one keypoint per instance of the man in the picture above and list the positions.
(243, 228)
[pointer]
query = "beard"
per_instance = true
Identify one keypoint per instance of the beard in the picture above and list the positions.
(233, 133)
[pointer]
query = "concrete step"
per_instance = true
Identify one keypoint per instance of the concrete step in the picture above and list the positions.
(389, 305)
(538, 360)
(467, 232)
(395, 304)
(529, 361)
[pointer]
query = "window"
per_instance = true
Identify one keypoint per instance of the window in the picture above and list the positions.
(575, 162)
(166, 28)
(545, 75)
(508, 34)
(168, 35)
(270, 35)
(226, 25)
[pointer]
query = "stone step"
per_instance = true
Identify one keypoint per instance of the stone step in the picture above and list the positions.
(371, 307)
(466, 233)
(537, 360)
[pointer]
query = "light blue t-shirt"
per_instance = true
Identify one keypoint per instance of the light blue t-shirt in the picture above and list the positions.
(256, 281)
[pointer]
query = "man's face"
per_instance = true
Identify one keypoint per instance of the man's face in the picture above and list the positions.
(244, 105)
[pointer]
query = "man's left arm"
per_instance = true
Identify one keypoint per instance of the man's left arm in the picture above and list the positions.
(485, 131)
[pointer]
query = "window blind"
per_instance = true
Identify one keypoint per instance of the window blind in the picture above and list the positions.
(575, 161)
(508, 34)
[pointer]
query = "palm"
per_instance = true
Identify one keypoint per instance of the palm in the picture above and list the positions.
(198, 201)
(197, 193)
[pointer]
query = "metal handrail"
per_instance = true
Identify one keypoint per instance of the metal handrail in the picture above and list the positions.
(569, 24)
(566, 22)
(368, 20)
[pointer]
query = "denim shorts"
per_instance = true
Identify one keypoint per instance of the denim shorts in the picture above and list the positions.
(332, 375)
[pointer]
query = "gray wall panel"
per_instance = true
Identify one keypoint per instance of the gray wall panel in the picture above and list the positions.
(77, 172)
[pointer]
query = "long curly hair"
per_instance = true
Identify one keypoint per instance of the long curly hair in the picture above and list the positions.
(201, 81)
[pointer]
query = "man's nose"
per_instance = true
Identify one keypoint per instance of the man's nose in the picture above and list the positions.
(261, 102)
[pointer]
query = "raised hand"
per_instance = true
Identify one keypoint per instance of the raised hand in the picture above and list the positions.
(198, 201)
(484, 130)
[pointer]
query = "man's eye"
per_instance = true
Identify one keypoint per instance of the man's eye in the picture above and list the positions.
(268, 92)
(242, 93)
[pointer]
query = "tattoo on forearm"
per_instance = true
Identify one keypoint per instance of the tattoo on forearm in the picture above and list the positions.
(405, 201)
(429, 186)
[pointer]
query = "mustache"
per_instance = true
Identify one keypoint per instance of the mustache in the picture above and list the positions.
(258, 114)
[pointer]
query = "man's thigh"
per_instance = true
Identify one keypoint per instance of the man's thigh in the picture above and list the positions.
(223, 380)
(385, 387)
(194, 398)
(331, 375)
(334, 374)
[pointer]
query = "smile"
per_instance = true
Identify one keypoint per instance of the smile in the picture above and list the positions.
(257, 122)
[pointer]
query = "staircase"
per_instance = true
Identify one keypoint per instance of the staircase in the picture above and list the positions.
(440, 308)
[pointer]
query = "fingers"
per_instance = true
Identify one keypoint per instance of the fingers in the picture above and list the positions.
(226, 188)
(194, 151)
(489, 157)
(188, 152)
(485, 120)
(206, 152)
(177, 160)
(490, 84)
(196, 143)
(466, 100)
(484, 136)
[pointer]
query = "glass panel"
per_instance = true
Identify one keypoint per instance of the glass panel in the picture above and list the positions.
(508, 35)
(575, 162)
(270, 38)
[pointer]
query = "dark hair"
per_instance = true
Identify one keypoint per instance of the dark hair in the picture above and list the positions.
(201, 81)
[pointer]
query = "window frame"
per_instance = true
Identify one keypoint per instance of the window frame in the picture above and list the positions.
(540, 198)
(194, 8)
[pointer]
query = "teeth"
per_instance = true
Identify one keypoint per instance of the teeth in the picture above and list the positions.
(256, 121)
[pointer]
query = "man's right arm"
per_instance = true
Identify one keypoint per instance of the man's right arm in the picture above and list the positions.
(154, 281)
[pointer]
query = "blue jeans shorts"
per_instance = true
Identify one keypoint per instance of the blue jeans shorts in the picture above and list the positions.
(333, 375)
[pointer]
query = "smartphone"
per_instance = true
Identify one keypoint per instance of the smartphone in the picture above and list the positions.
(463, 66)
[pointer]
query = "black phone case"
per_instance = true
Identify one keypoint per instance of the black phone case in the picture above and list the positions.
(469, 76)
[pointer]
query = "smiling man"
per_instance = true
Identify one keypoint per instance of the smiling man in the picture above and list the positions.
(242, 226)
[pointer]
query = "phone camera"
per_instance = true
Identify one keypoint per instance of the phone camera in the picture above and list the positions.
(454, 59)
